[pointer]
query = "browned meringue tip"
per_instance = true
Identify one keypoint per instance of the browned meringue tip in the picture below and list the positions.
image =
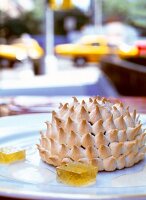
(75, 99)
(60, 105)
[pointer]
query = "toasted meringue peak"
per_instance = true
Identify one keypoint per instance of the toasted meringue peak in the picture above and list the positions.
(58, 122)
(120, 123)
(100, 138)
(105, 113)
(87, 140)
(82, 114)
(63, 151)
(53, 147)
(112, 135)
(104, 151)
(116, 149)
(83, 102)
(94, 115)
(60, 105)
(90, 100)
(84, 127)
(108, 124)
(54, 114)
(76, 153)
(69, 125)
(70, 113)
(91, 152)
(115, 112)
(96, 132)
(133, 132)
(95, 100)
(134, 115)
(62, 137)
(121, 162)
(122, 135)
(109, 164)
(63, 109)
(92, 106)
(75, 99)
(51, 130)
(104, 100)
(128, 120)
(74, 139)
(98, 127)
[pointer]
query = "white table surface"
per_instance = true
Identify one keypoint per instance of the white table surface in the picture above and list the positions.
(85, 81)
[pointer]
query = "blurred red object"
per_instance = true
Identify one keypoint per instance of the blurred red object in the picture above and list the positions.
(141, 45)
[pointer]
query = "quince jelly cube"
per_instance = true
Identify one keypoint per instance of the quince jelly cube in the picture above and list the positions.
(77, 174)
(9, 155)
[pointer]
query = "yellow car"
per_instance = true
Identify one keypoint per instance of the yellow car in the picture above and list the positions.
(21, 50)
(12, 52)
(127, 51)
(31, 46)
(91, 48)
(88, 49)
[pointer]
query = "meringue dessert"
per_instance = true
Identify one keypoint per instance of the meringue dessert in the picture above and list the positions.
(96, 132)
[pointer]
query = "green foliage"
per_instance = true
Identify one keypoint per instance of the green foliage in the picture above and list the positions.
(129, 11)
(137, 13)
(24, 24)
(33, 22)
(60, 17)
(115, 9)
(27, 22)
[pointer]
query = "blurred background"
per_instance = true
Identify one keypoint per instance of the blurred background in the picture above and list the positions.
(71, 47)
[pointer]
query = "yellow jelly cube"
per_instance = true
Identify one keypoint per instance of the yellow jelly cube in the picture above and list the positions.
(77, 174)
(10, 154)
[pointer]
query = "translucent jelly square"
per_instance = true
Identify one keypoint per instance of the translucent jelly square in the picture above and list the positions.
(77, 174)
(10, 154)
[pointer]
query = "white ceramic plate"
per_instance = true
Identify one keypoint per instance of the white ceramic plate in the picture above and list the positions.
(34, 179)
